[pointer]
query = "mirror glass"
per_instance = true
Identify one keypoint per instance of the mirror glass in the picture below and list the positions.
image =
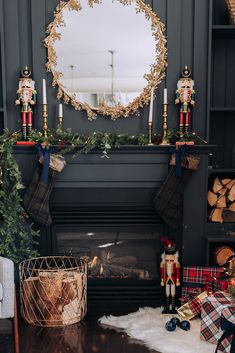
(106, 53)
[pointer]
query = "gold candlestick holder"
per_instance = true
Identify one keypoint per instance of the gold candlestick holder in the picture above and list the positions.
(165, 140)
(150, 131)
(60, 122)
(45, 127)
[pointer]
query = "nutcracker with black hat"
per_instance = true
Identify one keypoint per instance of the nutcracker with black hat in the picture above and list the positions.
(170, 274)
(26, 99)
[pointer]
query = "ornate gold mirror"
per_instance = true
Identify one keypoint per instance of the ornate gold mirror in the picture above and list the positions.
(106, 55)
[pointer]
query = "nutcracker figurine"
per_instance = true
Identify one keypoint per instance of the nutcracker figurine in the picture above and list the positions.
(26, 98)
(185, 96)
(170, 274)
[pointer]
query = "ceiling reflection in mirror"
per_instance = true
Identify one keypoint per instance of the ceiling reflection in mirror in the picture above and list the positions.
(105, 57)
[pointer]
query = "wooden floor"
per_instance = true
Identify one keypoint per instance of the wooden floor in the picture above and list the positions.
(86, 337)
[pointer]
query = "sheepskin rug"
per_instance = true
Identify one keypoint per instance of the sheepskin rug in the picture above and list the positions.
(148, 326)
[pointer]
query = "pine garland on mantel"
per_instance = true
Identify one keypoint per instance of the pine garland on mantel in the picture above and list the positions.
(67, 141)
(101, 140)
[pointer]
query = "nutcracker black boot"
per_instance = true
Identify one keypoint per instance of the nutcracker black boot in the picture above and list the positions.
(166, 309)
(173, 311)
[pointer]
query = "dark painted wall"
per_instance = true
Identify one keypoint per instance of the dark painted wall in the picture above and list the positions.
(24, 27)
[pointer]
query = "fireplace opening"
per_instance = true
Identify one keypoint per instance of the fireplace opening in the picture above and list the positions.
(113, 254)
(123, 251)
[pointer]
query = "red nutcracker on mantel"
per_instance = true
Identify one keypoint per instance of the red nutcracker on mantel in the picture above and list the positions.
(170, 274)
(185, 97)
(27, 99)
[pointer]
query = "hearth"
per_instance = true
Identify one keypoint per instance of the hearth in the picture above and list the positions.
(122, 247)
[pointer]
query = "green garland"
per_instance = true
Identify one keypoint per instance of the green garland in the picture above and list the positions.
(17, 236)
(99, 140)
(69, 141)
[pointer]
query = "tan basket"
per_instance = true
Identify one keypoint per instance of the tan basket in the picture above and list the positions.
(231, 9)
(53, 290)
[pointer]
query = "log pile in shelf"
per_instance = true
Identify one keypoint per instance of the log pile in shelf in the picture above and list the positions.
(221, 199)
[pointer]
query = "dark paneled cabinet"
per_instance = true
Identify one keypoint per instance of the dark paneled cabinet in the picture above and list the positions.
(221, 115)
(221, 85)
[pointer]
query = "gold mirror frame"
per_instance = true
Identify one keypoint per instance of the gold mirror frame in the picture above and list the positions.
(154, 77)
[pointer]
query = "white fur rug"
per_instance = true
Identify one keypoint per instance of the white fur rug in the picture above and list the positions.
(148, 325)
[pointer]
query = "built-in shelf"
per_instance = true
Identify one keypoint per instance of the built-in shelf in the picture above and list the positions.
(220, 170)
(222, 109)
(216, 230)
(219, 238)
(223, 31)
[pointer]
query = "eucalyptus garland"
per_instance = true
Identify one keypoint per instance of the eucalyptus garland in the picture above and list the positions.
(17, 236)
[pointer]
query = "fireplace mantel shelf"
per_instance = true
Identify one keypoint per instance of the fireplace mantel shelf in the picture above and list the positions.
(129, 149)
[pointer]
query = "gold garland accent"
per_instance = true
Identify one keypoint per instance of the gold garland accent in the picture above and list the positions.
(154, 77)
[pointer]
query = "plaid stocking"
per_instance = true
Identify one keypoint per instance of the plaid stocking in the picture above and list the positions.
(36, 197)
(168, 201)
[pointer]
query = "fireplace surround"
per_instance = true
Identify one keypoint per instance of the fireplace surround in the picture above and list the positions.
(113, 198)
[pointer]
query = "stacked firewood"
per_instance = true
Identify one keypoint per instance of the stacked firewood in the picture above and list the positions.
(54, 298)
(221, 199)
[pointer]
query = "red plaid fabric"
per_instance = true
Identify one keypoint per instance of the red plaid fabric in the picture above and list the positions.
(197, 279)
(189, 293)
(195, 306)
(196, 274)
(213, 307)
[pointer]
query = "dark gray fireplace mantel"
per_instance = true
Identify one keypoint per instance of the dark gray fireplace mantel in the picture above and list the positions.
(129, 178)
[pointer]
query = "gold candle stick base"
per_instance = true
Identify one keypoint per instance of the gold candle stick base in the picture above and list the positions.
(165, 140)
(60, 122)
(45, 127)
(150, 131)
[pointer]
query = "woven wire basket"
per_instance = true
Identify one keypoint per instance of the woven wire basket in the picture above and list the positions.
(231, 9)
(53, 290)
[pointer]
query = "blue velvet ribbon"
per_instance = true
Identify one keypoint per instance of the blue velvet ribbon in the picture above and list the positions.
(229, 329)
(45, 152)
(179, 153)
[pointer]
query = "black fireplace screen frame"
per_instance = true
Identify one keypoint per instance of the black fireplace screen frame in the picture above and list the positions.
(114, 295)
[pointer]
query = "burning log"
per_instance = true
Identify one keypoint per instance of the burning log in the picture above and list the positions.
(126, 261)
(129, 272)
(111, 266)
